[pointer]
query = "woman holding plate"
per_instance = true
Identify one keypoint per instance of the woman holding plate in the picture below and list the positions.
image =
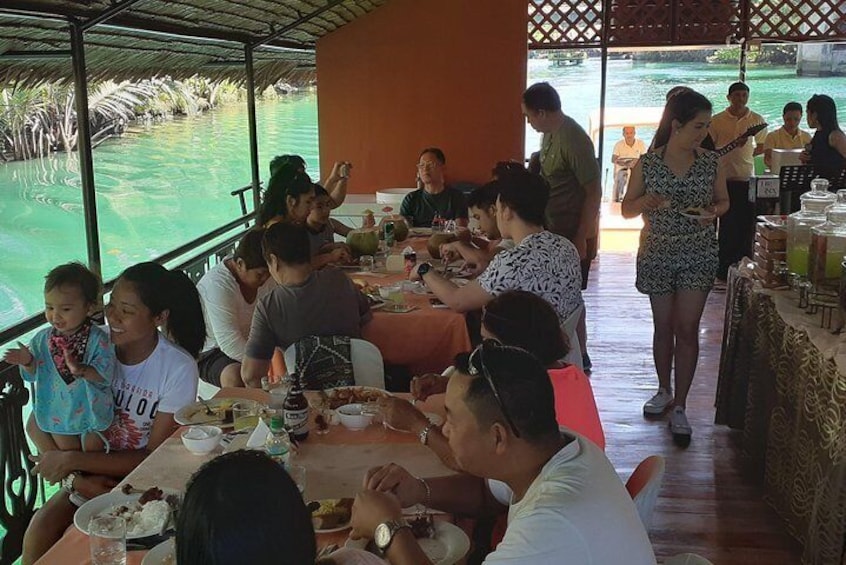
(678, 190)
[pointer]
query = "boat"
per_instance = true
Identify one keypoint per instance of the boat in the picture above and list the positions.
(567, 58)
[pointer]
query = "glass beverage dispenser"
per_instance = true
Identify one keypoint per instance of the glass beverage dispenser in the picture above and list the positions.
(828, 246)
(799, 224)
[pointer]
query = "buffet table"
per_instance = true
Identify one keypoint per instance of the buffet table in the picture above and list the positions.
(335, 465)
(782, 379)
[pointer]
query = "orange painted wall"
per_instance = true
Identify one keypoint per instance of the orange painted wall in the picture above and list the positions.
(418, 73)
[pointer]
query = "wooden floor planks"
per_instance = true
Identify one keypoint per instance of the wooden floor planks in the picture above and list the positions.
(707, 505)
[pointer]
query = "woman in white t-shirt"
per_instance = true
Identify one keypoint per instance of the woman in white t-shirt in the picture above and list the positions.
(155, 377)
(229, 292)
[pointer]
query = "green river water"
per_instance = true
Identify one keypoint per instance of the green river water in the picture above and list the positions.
(160, 186)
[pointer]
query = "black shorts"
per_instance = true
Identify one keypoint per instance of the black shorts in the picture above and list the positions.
(211, 365)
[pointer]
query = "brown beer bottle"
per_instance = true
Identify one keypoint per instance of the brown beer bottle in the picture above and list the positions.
(295, 410)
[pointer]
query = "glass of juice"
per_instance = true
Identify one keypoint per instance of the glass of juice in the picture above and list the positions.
(245, 416)
(395, 294)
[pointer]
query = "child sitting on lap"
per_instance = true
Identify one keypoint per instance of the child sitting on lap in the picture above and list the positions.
(71, 364)
(322, 230)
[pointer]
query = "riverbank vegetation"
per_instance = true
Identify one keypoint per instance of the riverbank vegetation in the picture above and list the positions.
(36, 121)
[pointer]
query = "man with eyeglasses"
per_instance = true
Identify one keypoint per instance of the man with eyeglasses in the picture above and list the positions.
(564, 500)
(435, 199)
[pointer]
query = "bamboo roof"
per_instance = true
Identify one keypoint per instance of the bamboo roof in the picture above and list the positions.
(178, 38)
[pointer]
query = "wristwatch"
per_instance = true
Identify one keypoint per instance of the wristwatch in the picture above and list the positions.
(67, 482)
(384, 534)
(423, 268)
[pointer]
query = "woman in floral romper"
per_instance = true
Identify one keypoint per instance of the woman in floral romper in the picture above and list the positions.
(679, 191)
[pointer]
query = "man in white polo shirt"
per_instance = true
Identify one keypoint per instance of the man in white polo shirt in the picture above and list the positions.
(738, 224)
(564, 500)
(624, 156)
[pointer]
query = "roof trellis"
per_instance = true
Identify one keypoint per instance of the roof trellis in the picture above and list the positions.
(173, 37)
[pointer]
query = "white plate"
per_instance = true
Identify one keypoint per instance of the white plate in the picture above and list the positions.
(702, 216)
(449, 546)
(434, 418)
(162, 554)
(195, 413)
(333, 393)
(104, 503)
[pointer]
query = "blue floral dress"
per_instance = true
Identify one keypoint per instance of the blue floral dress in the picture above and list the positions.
(80, 406)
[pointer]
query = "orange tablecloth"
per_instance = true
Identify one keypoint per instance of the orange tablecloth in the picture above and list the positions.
(172, 465)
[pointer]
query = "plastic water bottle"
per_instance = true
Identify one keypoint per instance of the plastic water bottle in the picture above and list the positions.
(277, 445)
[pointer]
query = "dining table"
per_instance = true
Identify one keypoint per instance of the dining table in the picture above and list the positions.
(423, 340)
(335, 465)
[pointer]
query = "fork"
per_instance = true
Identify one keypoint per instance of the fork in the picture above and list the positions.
(209, 411)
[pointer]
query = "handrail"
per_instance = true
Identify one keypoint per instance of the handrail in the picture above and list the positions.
(239, 192)
(37, 320)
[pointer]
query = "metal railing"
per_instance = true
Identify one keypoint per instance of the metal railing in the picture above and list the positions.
(37, 320)
(19, 487)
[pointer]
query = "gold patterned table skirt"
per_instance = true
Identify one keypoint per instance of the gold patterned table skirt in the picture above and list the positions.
(790, 399)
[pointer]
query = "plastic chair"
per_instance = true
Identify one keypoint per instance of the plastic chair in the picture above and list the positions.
(644, 484)
(206, 390)
(368, 367)
(687, 559)
(574, 357)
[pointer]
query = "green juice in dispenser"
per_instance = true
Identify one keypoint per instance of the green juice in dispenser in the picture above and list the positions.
(799, 224)
(828, 245)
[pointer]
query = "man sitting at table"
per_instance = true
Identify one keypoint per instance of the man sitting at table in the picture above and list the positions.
(478, 254)
(564, 500)
(435, 198)
(305, 302)
(542, 262)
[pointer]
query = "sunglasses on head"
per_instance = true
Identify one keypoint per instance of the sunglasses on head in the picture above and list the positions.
(479, 352)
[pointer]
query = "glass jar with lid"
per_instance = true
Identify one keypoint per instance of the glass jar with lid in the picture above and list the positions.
(799, 224)
(828, 245)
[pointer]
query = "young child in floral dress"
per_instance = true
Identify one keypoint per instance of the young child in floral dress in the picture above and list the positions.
(71, 363)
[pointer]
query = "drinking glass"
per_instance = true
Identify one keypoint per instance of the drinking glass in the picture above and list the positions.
(374, 409)
(244, 416)
(299, 474)
(366, 263)
(107, 539)
(395, 294)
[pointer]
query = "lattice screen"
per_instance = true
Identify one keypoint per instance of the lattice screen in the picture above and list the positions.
(701, 22)
(571, 23)
(639, 22)
(797, 20)
(561, 24)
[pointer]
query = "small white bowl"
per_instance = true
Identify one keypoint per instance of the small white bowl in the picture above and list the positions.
(351, 417)
(201, 440)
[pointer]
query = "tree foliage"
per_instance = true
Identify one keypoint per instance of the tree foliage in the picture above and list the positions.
(35, 121)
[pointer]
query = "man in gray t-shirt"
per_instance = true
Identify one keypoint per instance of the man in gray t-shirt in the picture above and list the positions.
(306, 302)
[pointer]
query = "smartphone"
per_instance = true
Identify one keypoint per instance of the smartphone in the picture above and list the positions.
(437, 303)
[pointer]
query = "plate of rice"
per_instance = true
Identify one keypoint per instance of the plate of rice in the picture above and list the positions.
(142, 519)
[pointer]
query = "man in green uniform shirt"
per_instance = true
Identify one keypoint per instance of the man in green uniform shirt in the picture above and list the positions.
(568, 163)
